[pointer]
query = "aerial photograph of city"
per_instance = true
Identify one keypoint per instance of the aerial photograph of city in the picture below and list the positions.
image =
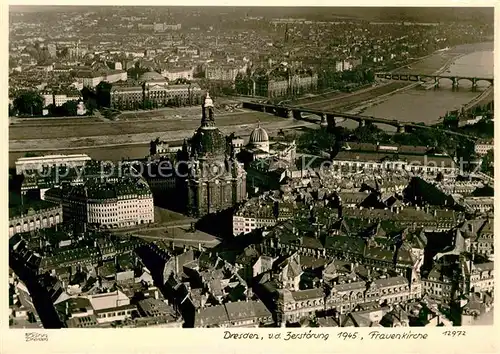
(201, 167)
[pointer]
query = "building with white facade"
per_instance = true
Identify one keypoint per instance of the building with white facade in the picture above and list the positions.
(173, 74)
(39, 163)
(480, 277)
(116, 203)
(33, 220)
(58, 100)
(481, 204)
(482, 148)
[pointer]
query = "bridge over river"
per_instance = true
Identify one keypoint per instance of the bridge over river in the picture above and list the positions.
(434, 79)
(327, 119)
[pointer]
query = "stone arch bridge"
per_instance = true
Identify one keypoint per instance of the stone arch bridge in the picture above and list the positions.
(326, 119)
(455, 79)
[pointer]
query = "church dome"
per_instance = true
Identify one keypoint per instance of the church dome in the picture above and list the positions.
(151, 76)
(209, 142)
(259, 135)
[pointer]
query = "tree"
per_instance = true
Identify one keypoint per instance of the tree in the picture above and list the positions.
(103, 98)
(28, 102)
(91, 105)
(369, 76)
(31, 154)
(322, 141)
(70, 108)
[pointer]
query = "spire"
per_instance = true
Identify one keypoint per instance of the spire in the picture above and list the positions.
(208, 101)
(207, 116)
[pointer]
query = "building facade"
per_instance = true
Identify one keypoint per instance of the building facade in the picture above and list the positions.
(108, 204)
(224, 72)
(39, 163)
(128, 97)
(482, 148)
(35, 220)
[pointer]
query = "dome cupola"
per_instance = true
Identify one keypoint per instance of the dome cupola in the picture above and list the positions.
(208, 141)
(259, 139)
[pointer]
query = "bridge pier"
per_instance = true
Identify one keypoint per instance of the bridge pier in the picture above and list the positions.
(401, 129)
(474, 85)
(297, 114)
(330, 119)
(425, 78)
(324, 121)
(362, 123)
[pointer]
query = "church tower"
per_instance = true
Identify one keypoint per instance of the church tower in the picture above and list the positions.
(216, 180)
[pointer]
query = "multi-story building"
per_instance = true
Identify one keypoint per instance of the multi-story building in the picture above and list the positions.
(160, 95)
(480, 277)
(126, 96)
(347, 64)
(378, 160)
(483, 242)
(249, 218)
(280, 85)
(91, 78)
(113, 203)
(47, 216)
(482, 147)
(439, 283)
(480, 204)
(115, 76)
(346, 297)
(292, 306)
(259, 213)
(173, 74)
(222, 72)
(39, 163)
(58, 99)
(460, 187)
(247, 314)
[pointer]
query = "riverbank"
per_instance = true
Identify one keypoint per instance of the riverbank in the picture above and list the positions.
(382, 98)
(118, 146)
(433, 64)
(427, 106)
(113, 140)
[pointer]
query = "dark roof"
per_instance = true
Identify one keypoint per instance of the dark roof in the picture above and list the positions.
(30, 207)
